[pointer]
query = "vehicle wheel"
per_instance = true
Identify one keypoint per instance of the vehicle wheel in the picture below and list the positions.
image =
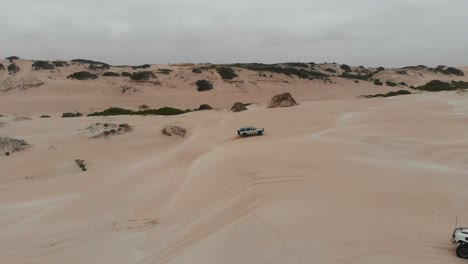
(244, 135)
(462, 251)
(260, 133)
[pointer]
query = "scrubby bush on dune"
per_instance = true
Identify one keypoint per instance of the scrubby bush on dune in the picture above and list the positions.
(297, 64)
(13, 68)
(345, 67)
(379, 69)
(204, 85)
(45, 116)
(59, 64)
(164, 71)
(391, 84)
(354, 76)
(126, 74)
(142, 76)
(83, 61)
(9, 145)
(144, 66)
(419, 67)
(82, 75)
(437, 86)
(377, 82)
(282, 100)
(115, 111)
(227, 73)
(71, 114)
(81, 164)
(95, 67)
(403, 84)
(205, 107)
(238, 107)
(455, 71)
(330, 70)
(195, 70)
(2, 68)
(301, 73)
(111, 74)
(402, 72)
(43, 65)
(12, 58)
(390, 94)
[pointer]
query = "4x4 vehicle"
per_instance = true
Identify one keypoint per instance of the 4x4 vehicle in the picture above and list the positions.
(460, 238)
(250, 131)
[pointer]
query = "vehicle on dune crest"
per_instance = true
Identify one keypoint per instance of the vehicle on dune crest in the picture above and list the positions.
(250, 131)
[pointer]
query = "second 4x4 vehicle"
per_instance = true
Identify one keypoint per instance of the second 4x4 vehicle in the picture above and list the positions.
(250, 131)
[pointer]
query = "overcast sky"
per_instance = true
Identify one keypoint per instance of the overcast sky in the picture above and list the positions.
(360, 32)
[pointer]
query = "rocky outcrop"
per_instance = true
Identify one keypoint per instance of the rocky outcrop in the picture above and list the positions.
(174, 131)
(282, 100)
(238, 107)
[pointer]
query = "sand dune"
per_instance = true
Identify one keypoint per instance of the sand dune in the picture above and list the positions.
(332, 181)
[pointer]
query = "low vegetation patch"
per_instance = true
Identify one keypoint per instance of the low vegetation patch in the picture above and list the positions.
(301, 73)
(13, 68)
(111, 74)
(126, 74)
(205, 107)
(297, 64)
(71, 114)
(195, 70)
(164, 71)
(227, 73)
(389, 94)
(99, 130)
(402, 72)
(365, 77)
(391, 84)
(378, 82)
(142, 76)
(84, 61)
(144, 66)
(345, 67)
(2, 68)
(204, 85)
(59, 64)
(12, 58)
(330, 70)
(437, 86)
(82, 76)
(43, 65)
(238, 107)
(115, 111)
(95, 67)
(45, 116)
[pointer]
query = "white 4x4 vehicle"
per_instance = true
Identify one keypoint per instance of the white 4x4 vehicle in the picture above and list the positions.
(460, 238)
(250, 131)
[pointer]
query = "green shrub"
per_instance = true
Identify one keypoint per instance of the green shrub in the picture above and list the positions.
(330, 70)
(144, 66)
(345, 67)
(12, 58)
(358, 77)
(13, 68)
(126, 74)
(297, 64)
(115, 111)
(403, 84)
(59, 64)
(377, 82)
(2, 68)
(95, 67)
(227, 73)
(301, 73)
(142, 76)
(165, 71)
(82, 75)
(436, 86)
(455, 71)
(43, 65)
(83, 61)
(195, 70)
(204, 85)
(205, 107)
(111, 74)
(45, 116)
(402, 72)
(391, 84)
(390, 94)
(71, 114)
(419, 67)
(379, 69)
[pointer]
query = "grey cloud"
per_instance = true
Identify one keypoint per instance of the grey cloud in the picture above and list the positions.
(388, 33)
